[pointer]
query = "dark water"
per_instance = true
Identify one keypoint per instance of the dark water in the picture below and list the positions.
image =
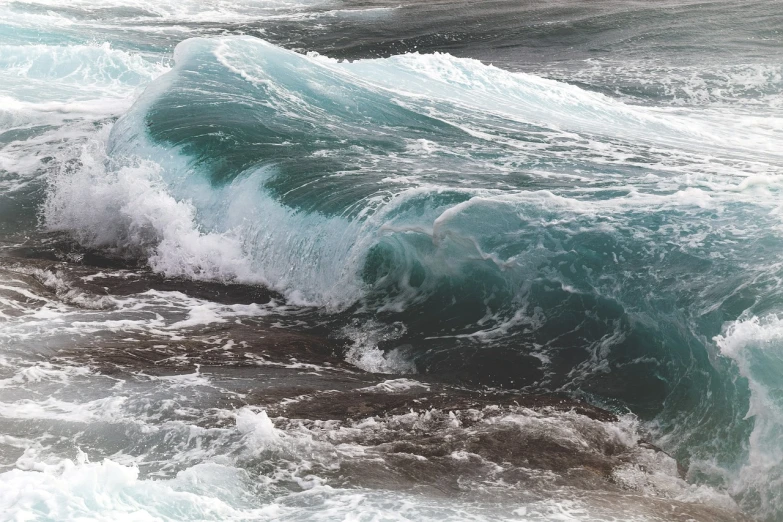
(221, 225)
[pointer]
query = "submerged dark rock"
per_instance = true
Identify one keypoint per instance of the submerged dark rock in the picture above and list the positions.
(406, 432)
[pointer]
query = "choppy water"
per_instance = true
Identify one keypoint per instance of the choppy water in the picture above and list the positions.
(221, 226)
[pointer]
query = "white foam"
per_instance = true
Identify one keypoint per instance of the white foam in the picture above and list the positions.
(108, 491)
(107, 409)
(132, 207)
(752, 87)
(45, 371)
(364, 352)
(53, 95)
(87, 67)
(755, 345)
(171, 11)
(395, 386)
(31, 314)
(256, 427)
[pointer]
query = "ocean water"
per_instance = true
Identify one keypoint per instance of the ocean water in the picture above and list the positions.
(370, 260)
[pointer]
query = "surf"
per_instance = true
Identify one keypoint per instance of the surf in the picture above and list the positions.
(229, 215)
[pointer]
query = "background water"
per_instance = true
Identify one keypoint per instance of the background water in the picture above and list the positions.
(570, 198)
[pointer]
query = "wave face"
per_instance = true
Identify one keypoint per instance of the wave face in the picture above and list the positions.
(597, 216)
(458, 219)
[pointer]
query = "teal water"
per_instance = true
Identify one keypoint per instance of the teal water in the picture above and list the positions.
(576, 199)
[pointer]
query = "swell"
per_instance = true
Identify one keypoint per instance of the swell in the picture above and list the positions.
(272, 145)
(499, 228)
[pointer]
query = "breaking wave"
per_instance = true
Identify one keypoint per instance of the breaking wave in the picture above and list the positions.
(501, 228)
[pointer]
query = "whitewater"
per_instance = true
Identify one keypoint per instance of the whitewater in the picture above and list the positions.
(338, 260)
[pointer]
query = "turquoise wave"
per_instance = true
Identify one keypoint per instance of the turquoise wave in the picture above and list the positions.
(493, 227)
